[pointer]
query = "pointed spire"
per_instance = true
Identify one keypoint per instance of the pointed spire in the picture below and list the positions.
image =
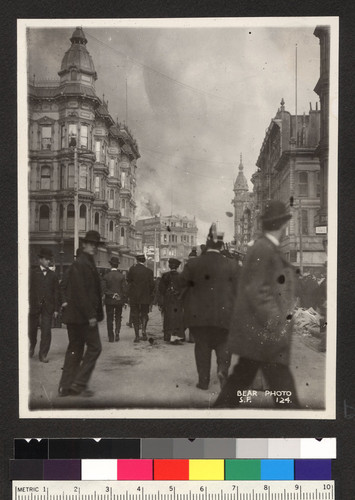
(282, 104)
(241, 166)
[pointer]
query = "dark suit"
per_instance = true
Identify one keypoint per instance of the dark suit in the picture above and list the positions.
(114, 283)
(141, 293)
(44, 301)
(83, 296)
(261, 328)
(209, 284)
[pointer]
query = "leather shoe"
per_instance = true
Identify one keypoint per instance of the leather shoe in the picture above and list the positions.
(204, 387)
(136, 340)
(31, 352)
(117, 337)
(44, 359)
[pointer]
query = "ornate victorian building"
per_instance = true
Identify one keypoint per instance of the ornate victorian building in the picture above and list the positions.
(100, 163)
(169, 236)
(243, 211)
(288, 170)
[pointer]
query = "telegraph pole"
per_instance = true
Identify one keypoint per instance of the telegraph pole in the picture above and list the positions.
(76, 195)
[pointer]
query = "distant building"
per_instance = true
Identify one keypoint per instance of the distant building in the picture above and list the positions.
(169, 236)
(243, 203)
(288, 170)
(322, 151)
(105, 174)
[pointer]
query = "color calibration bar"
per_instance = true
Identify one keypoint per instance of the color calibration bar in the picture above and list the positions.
(210, 448)
(162, 490)
(172, 470)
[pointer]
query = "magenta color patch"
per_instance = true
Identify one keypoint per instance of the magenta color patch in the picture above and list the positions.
(130, 470)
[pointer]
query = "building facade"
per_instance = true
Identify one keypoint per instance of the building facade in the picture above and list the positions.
(243, 203)
(76, 146)
(322, 89)
(167, 236)
(289, 171)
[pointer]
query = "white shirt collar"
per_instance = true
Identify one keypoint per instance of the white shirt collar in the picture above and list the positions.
(272, 238)
(44, 269)
(213, 250)
(114, 269)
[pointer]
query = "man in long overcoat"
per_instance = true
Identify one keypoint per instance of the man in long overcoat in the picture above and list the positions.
(141, 294)
(261, 324)
(82, 310)
(114, 289)
(44, 303)
(171, 304)
(209, 283)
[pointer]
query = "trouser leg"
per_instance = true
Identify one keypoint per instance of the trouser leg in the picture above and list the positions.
(144, 311)
(73, 356)
(203, 352)
(118, 320)
(279, 378)
(92, 352)
(46, 334)
(135, 319)
(109, 321)
(223, 356)
(33, 321)
(240, 379)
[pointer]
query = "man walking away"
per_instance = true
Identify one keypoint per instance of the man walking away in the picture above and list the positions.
(114, 290)
(44, 304)
(81, 315)
(171, 304)
(208, 287)
(141, 293)
(261, 326)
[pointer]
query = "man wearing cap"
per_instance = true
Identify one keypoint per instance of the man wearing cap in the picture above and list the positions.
(44, 303)
(83, 311)
(261, 325)
(171, 305)
(114, 290)
(141, 293)
(208, 288)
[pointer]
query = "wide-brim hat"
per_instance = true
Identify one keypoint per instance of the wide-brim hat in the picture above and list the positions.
(45, 253)
(275, 211)
(93, 237)
(174, 262)
(140, 257)
(114, 261)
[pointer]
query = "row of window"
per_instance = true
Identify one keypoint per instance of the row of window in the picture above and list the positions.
(172, 238)
(70, 215)
(303, 185)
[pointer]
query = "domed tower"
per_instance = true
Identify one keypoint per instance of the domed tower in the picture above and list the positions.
(77, 64)
(241, 207)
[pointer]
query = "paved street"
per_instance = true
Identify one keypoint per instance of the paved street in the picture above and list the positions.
(155, 374)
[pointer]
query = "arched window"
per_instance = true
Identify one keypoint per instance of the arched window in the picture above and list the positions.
(45, 177)
(71, 176)
(303, 183)
(83, 177)
(63, 172)
(82, 218)
(97, 221)
(70, 216)
(84, 136)
(44, 218)
(61, 216)
(111, 198)
(110, 231)
(112, 167)
(122, 232)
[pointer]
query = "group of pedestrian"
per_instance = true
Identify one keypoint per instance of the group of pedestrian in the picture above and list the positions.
(227, 308)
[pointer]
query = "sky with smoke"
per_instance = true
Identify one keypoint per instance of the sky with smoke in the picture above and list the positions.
(197, 97)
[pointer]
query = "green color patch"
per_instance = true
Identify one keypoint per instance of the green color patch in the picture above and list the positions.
(247, 470)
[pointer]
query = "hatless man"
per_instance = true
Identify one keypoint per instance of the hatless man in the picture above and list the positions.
(82, 312)
(43, 302)
(114, 290)
(141, 294)
(208, 288)
(261, 324)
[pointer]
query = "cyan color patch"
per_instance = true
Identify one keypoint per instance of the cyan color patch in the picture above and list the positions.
(277, 470)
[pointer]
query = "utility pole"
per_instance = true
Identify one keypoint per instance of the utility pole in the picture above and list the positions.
(73, 145)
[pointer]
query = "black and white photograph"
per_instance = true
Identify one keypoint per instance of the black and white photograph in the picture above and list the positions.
(177, 187)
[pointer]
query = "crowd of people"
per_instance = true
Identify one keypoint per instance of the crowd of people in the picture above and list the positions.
(225, 307)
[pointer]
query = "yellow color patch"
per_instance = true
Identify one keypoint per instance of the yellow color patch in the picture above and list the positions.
(206, 470)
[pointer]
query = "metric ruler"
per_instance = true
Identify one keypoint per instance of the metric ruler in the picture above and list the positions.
(173, 490)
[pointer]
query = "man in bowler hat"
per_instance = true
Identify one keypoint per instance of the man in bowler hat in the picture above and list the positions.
(83, 311)
(208, 287)
(261, 324)
(114, 290)
(141, 294)
(44, 303)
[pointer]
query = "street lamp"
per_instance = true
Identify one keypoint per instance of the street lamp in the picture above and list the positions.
(72, 144)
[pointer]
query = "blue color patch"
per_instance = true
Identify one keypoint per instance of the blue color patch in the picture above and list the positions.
(277, 470)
